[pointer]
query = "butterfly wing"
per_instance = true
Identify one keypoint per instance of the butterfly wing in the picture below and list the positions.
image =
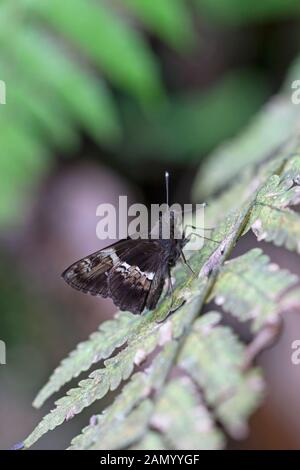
(128, 271)
(89, 274)
(156, 289)
(130, 281)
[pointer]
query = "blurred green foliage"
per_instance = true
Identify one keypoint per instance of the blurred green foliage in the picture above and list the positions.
(15, 309)
(193, 123)
(53, 55)
(276, 124)
(245, 11)
(170, 20)
(90, 67)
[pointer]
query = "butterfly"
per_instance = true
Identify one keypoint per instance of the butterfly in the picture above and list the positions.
(132, 272)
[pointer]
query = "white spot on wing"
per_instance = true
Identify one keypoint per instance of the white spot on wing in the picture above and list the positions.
(149, 275)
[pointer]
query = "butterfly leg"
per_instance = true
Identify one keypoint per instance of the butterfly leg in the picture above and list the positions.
(168, 289)
(171, 289)
(207, 229)
(198, 235)
(186, 263)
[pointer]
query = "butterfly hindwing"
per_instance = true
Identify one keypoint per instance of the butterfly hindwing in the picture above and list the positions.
(130, 281)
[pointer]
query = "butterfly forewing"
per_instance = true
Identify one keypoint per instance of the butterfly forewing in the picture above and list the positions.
(89, 274)
(125, 271)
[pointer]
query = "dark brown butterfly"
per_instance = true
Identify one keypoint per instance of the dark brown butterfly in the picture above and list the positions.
(132, 272)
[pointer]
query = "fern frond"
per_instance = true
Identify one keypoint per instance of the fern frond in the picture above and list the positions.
(57, 57)
(116, 369)
(80, 96)
(177, 412)
(171, 24)
(111, 335)
(129, 431)
(238, 288)
(151, 441)
(272, 220)
(214, 358)
(95, 23)
(140, 387)
(183, 419)
(210, 354)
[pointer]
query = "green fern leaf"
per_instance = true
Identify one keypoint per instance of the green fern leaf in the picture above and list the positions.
(131, 430)
(116, 369)
(52, 55)
(183, 420)
(271, 219)
(88, 24)
(111, 335)
(173, 24)
(78, 93)
(214, 358)
(114, 420)
(238, 288)
(151, 441)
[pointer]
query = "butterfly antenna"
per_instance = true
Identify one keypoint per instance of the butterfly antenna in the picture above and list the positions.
(167, 187)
